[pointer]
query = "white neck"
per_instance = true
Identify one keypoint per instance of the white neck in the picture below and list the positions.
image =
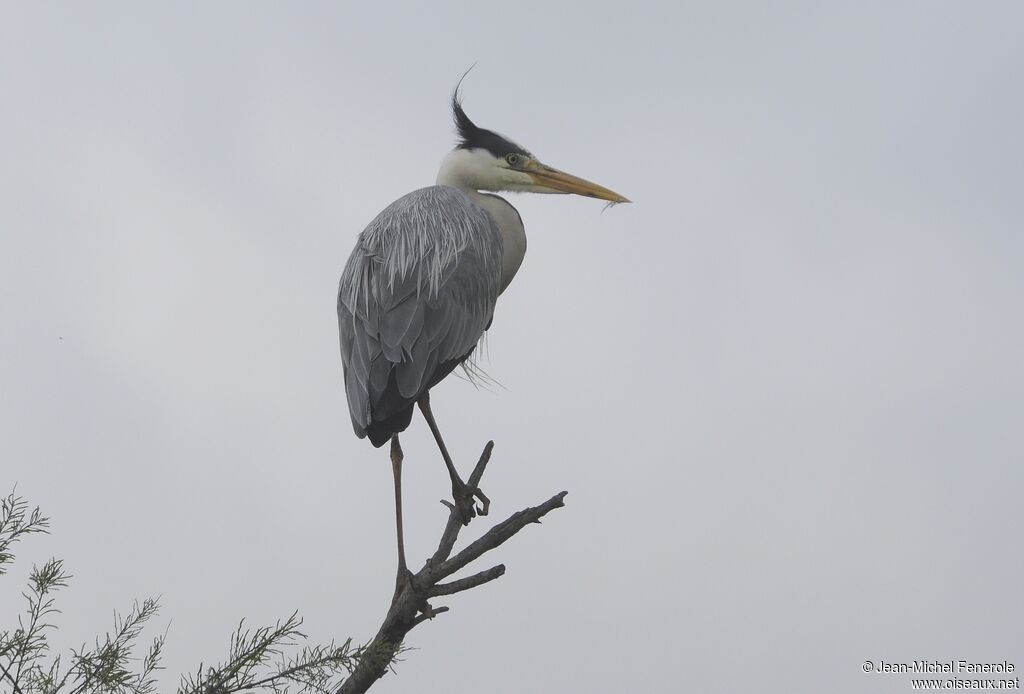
(471, 171)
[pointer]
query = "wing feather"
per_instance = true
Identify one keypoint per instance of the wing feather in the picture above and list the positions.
(415, 297)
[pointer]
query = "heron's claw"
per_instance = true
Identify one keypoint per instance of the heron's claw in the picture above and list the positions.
(484, 501)
(464, 496)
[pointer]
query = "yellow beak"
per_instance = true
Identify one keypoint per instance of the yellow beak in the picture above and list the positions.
(567, 183)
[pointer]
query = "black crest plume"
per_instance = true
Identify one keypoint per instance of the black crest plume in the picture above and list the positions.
(473, 137)
(464, 127)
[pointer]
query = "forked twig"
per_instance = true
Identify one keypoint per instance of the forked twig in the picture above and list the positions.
(410, 608)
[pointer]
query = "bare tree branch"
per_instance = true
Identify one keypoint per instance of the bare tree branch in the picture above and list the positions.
(468, 582)
(410, 608)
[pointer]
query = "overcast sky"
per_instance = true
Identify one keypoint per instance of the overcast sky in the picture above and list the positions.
(783, 387)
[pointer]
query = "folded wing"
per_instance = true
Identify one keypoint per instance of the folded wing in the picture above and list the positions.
(415, 297)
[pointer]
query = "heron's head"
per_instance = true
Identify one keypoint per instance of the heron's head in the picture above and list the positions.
(485, 160)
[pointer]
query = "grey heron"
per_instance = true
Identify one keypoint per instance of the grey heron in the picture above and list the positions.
(420, 288)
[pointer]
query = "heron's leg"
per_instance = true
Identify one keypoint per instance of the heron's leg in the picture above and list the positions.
(396, 468)
(463, 493)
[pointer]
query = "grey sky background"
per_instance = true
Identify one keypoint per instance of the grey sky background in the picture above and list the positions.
(783, 388)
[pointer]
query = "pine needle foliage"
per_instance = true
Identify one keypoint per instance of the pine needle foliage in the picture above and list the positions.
(270, 659)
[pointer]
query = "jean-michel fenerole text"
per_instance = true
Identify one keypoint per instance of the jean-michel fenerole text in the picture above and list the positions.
(950, 666)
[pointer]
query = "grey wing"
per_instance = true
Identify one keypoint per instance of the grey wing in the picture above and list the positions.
(416, 294)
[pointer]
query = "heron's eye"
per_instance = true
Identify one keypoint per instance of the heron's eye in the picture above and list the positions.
(512, 159)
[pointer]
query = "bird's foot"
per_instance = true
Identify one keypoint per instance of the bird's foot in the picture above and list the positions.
(465, 497)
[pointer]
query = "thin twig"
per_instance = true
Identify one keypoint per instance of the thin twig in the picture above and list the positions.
(14, 683)
(429, 615)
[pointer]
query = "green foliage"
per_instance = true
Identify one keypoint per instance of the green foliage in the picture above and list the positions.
(16, 521)
(273, 659)
(311, 669)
